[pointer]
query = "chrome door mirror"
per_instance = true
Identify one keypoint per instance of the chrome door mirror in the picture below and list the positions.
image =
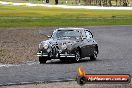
(48, 36)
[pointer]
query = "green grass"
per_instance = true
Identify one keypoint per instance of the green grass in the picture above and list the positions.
(13, 16)
(29, 1)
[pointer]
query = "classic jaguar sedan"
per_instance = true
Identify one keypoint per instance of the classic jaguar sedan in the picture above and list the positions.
(68, 44)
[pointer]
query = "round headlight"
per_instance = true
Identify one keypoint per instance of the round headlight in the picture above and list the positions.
(64, 46)
(45, 46)
(40, 46)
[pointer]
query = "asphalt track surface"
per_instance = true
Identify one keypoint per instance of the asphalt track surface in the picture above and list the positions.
(115, 57)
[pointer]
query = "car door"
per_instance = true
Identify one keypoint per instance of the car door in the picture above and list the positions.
(89, 39)
(83, 44)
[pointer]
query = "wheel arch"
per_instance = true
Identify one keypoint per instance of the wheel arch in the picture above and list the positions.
(96, 47)
(78, 48)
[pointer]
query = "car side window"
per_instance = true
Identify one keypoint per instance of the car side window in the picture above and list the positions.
(83, 34)
(88, 35)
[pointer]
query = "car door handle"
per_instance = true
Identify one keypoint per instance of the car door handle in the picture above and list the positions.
(88, 40)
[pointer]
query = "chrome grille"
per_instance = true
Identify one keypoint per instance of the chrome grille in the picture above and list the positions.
(55, 50)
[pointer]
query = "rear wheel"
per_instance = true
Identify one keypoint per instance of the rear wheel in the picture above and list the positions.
(42, 60)
(94, 56)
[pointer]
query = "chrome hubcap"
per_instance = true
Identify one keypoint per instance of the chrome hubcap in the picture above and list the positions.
(77, 56)
(95, 54)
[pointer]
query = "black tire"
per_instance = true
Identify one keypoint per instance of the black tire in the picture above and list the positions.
(77, 56)
(94, 56)
(42, 60)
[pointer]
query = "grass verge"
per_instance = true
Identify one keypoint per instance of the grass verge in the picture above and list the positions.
(51, 22)
(14, 16)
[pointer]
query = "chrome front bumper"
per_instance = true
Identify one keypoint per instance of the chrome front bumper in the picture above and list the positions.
(42, 54)
(57, 56)
(67, 55)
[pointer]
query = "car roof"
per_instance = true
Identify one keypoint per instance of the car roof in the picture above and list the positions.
(72, 28)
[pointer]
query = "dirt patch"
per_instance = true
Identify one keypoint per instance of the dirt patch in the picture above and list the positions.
(19, 45)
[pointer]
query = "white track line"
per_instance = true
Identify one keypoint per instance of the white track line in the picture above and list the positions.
(7, 65)
(67, 7)
(29, 63)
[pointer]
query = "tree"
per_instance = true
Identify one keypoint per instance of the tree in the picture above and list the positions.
(109, 1)
(56, 2)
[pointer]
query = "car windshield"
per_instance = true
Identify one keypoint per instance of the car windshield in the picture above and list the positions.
(61, 34)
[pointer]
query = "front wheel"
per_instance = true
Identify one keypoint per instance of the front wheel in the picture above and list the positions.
(94, 56)
(42, 60)
(77, 56)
